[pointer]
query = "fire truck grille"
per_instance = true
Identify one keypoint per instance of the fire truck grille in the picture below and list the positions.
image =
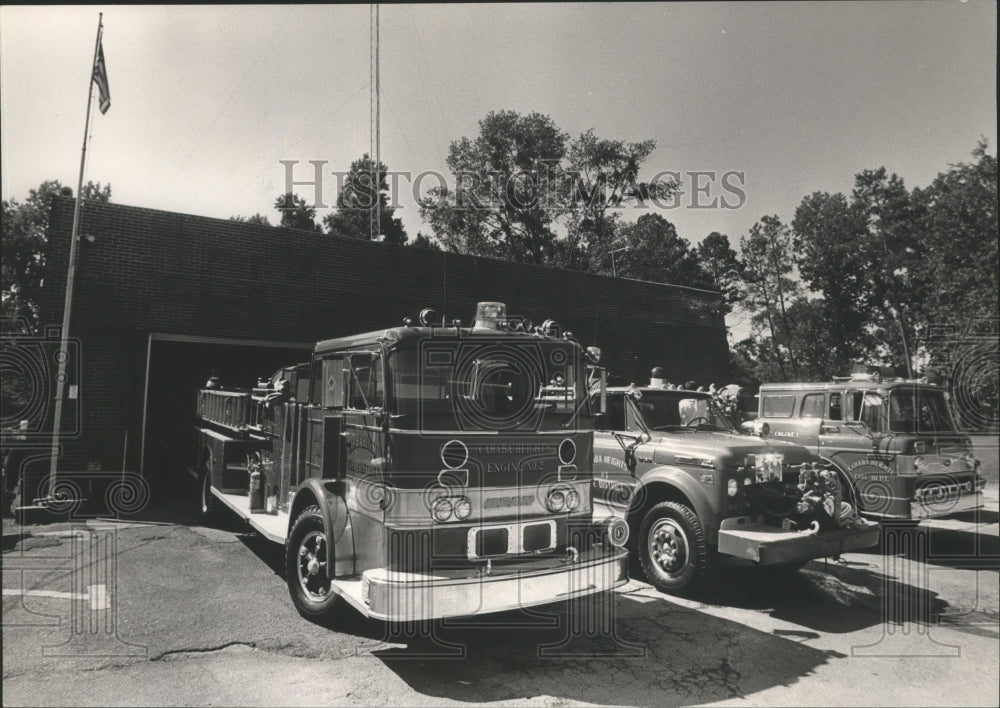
(491, 542)
(537, 537)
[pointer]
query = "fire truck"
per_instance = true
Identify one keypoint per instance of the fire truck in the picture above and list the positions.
(895, 437)
(419, 472)
(692, 488)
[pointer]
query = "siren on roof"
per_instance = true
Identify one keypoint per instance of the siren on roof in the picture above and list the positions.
(490, 314)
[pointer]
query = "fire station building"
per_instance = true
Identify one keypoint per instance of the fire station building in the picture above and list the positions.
(162, 300)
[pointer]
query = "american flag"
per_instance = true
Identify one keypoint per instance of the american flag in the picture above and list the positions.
(101, 79)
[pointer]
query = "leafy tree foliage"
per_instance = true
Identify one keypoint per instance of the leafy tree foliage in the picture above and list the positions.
(601, 177)
(355, 215)
(957, 220)
(655, 252)
(296, 212)
(829, 240)
(722, 268)
(25, 238)
(892, 251)
(257, 218)
(901, 277)
(502, 203)
(422, 241)
(768, 269)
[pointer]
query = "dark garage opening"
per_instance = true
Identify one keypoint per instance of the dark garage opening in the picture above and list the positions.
(177, 369)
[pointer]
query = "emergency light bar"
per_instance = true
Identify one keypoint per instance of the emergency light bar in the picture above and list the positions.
(489, 315)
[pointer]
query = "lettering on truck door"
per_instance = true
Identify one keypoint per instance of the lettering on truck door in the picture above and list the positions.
(613, 482)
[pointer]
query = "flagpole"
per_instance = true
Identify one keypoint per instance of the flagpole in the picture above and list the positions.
(70, 273)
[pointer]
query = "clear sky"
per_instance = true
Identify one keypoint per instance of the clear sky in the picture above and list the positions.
(207, 100)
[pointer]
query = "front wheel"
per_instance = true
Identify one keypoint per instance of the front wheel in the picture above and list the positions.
(306, 571)
(672, 549)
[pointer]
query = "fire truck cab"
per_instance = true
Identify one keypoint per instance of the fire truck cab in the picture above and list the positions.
(895, 437)
(418, 472)
(691, 487)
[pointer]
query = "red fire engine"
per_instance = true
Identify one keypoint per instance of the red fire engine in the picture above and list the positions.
(421, 471)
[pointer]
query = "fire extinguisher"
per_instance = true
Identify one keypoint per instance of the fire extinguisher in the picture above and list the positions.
(256, 484)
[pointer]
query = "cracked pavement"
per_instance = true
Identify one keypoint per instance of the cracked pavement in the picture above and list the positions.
(201, 616)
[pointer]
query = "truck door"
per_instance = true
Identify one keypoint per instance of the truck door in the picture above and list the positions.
(363, 415)
(613, 482)
(324, 419)
(810, 423)
(846, 435)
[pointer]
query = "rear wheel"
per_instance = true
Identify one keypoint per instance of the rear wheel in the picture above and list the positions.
(306, 571)
(674, 554)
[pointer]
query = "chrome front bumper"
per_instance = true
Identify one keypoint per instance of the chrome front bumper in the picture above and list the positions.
(407, 597)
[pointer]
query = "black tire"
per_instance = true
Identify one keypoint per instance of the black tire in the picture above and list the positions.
(673, 552)
(305, 568)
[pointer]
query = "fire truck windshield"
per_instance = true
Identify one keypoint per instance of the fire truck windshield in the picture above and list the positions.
(470, 385)
(668, 410)
(918, 410)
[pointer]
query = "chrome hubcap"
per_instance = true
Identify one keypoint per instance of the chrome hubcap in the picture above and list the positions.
(312, 566)
(668, 547)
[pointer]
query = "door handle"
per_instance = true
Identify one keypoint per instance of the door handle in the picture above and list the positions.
(829, 429)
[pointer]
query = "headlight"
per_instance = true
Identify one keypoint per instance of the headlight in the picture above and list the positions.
(441, 510)
(919, 464)
(556, 500)
(445, 509)
(462, 509)
(572, 499)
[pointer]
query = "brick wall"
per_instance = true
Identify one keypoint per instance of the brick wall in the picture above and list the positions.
(151, 271)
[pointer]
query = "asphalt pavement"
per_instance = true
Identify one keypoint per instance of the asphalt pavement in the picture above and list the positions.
(161, 610)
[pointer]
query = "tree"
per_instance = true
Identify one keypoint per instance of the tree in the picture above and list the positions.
(815, 339)
(655, 252)
(722, 268)
(601, 177)
(257, 218)
(25, 240)
(958, 222)
(831, 253)
(504, 202)
(296, 212)
(355, 215)
(767, 256)
(422, 241)
(891, 253)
